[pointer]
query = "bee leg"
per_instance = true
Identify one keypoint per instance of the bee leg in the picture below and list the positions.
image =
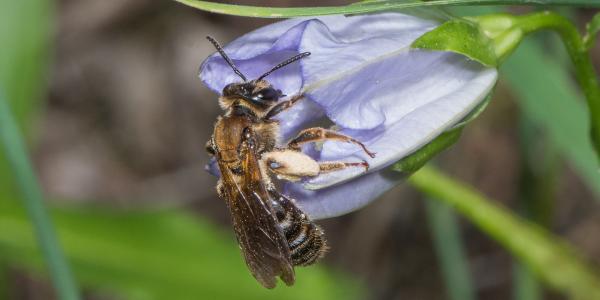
(292, 165)
(221, 190)
(283, 106)
(332, 166)
(210, 147)
(316, 134)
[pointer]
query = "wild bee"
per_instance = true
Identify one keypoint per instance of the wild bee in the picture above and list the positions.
(273, 233)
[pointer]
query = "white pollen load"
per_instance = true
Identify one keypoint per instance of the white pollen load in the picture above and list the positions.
(293, 163)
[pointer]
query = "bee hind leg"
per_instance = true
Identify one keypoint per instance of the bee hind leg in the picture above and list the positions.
(316, 134)
(292, 165)
(332, 166)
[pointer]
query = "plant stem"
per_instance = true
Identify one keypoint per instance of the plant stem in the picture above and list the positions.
(577, 48)
(580, 56)
(550, 258)
(15, 152)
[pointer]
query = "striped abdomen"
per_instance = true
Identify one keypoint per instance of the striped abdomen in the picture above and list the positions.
(306, 239)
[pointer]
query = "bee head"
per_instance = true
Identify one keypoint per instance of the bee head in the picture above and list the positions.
(258, 92)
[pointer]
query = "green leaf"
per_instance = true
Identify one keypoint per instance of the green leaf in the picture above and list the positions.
(549, 257)
(360, 7)
(161, 254)
(462, 37)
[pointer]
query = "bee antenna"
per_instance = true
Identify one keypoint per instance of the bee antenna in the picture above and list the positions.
(224, 55)
(284, 63)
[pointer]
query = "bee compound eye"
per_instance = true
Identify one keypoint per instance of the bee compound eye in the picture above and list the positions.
(229, 89)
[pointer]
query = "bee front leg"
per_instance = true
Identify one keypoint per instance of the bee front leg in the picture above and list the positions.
(283, 106)
(210, 147)
(316, 134)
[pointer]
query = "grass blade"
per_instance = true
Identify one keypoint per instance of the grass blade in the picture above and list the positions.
(449, 249)
(15, 152)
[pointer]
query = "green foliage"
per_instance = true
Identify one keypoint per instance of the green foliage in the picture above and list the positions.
(462, 37)
(162, 254)
(517, 27)
(550, 258)
(24, 28)
(360, 7)
(23, 61)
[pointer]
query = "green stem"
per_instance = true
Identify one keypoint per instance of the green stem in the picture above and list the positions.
(580, 56)
(550, 258)
(15, 152)
(507, 31)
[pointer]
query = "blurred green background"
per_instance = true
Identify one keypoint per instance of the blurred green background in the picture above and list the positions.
(116, 120)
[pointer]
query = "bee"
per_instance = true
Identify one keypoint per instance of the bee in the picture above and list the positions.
(273, 233)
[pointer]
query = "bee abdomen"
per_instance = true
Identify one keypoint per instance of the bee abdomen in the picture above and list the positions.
(306, 239)
(311, 247)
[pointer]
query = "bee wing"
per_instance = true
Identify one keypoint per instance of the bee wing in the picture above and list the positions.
(261, 239)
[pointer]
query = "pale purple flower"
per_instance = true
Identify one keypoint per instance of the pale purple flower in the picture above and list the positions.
(364, 77)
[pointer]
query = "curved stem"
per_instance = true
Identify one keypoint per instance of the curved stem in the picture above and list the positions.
(580, 56)
(577, 48)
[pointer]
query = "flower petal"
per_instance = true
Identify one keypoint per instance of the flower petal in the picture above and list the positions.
(364, 77)
(335, 201)
(432, 92)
